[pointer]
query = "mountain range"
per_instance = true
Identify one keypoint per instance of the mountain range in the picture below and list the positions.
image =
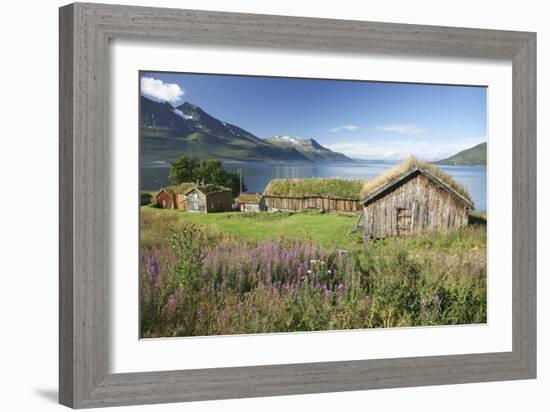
(167, 132)
(473, 156)
(309, 148)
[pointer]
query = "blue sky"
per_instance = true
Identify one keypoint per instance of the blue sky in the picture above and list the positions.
(369, 120)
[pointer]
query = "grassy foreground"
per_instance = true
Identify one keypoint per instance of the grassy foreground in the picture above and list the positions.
(326, 229)
(230, 273)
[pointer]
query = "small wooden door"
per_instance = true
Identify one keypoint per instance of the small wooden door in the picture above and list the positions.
(404, 221)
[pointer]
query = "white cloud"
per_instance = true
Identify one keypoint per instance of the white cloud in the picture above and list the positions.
(160, 91)
(402, 129)
(398, 150)
(348, 127)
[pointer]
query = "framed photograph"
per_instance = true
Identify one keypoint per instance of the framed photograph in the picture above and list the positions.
(257, 205)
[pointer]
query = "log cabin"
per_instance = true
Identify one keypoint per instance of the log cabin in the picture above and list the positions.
(326, 194)
(165, 199)
(209, 198)
(180, 199)
(250, 202)
(412, 198)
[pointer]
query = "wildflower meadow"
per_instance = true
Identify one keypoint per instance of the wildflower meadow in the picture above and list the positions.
(196, 281)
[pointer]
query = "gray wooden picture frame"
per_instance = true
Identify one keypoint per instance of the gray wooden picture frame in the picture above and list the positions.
(85, 32)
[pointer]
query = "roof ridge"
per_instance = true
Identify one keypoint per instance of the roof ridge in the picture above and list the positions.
(382, 188)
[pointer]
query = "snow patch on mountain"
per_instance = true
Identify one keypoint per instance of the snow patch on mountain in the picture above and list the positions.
(289, 139)
(180, 113)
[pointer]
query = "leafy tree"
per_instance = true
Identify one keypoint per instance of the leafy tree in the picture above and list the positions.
(212, 171)
(184, 170)
(191, 169)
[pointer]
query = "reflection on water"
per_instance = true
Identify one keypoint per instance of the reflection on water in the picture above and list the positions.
(257, 175)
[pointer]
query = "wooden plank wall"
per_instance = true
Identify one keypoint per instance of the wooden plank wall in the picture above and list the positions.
(431, 208)
(218, 202)
(274, 203)
(181, 203)
(194, 198)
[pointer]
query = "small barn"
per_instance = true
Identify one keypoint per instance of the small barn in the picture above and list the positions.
(209, 198)
(411, 198)
(250, 202)
(180, 199)
(327, 194)
(165, 199)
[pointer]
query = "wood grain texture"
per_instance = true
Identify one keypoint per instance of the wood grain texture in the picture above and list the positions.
(85, 31)
(330, 204)
(66, 194)
(415, 204)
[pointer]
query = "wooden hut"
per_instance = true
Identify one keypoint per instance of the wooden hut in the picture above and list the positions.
(250, 202)
(165, 199)
(331, 195)
(412, 198)
(180, 199)
(209, 198)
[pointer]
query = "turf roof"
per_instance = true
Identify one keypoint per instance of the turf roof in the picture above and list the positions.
(407, 165)
(249, 198)
(210, 188)
(333, 187)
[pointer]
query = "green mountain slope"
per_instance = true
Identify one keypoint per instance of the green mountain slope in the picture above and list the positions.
(168, 132)
(476, 155)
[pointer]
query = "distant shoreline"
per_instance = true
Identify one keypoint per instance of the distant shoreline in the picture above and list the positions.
(163, 163)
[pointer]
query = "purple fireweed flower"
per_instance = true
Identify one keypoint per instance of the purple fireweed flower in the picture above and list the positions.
(302, 269)
(200, 313)
(341, 287)
(154, 272)
(326, 290)
(152, 266)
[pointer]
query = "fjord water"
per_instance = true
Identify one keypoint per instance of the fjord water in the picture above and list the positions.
(256, 175)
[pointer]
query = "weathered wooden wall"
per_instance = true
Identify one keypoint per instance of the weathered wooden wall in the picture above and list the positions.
(415, 206)
(196, 202)
(181, 202)
(274, 203)
(219, 202)
(164, 200)
(252, 206)
(249, 207)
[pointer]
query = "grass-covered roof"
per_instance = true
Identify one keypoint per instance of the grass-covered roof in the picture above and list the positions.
(408, 164)
(338, 188)
(210, 188)
(249, 198)
(169, 190)
(183, 187)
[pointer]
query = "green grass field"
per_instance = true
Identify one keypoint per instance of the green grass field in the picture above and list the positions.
(325, 229)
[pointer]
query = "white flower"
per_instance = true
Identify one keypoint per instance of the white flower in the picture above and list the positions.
(313, 261)
(329, 271)
(309, 271)
(322, 262)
